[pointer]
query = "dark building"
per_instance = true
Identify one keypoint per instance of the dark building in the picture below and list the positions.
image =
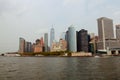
(78, 41)
(66, 38)
(82, 41)
(118, 32)
(46, 42)
(28, 47)
(89, 45)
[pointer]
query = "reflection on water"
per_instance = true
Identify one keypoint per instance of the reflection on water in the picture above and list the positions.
(59, 68)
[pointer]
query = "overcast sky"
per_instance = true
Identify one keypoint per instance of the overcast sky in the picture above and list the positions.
(30, 19)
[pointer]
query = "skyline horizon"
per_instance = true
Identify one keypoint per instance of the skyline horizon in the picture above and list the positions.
(58, 38)
(31, 19)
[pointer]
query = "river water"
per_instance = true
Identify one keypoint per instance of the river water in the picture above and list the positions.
(59, 68)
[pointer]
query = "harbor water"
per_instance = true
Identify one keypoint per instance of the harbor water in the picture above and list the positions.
(59, 68)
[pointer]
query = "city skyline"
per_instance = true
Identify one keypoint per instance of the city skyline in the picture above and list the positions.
(31, 19)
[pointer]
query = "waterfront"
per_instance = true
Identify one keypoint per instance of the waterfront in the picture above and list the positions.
(59, 68)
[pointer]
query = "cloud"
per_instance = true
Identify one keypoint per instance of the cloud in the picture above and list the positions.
(7, 5)
(84, 3)
(72, 2)
(42, 31)
(117, 13)
(95, 3)
(12, 7)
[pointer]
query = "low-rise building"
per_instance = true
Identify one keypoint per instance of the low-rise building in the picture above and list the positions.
(82, 54)
(59, 46)
(38, 46)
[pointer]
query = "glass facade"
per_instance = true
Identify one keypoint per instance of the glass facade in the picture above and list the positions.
(46, 42)
(52, 36)
(72, 39)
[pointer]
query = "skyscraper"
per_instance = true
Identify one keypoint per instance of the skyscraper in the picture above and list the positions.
(28, 46)
(72, 39)
(66, 38)
(105, 28)
(21, 45)
(46, 42)
(118, 32)
(105, 32)
(82, 41)
(52, 36)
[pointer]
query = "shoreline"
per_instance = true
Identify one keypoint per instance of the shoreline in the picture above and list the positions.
(107, 56)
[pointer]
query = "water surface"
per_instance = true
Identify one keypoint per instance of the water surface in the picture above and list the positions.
(59, 68)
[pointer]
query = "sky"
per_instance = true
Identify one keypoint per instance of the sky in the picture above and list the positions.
(30, 19)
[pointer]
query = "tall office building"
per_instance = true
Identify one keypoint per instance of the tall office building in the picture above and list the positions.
(105, 32)
(118, 32)
(72, 46)
(28, 46)
(46, 42)
(24, 46)
(66, 38)
(52, 36)
(105, 28)
(21, 45)
(82, 41)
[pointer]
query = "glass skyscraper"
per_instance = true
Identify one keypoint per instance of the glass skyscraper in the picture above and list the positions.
(72, 39)
(46, 42)
(82, 40)
(52, 36)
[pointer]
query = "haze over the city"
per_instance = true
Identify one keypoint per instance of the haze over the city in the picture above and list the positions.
(30, 19)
